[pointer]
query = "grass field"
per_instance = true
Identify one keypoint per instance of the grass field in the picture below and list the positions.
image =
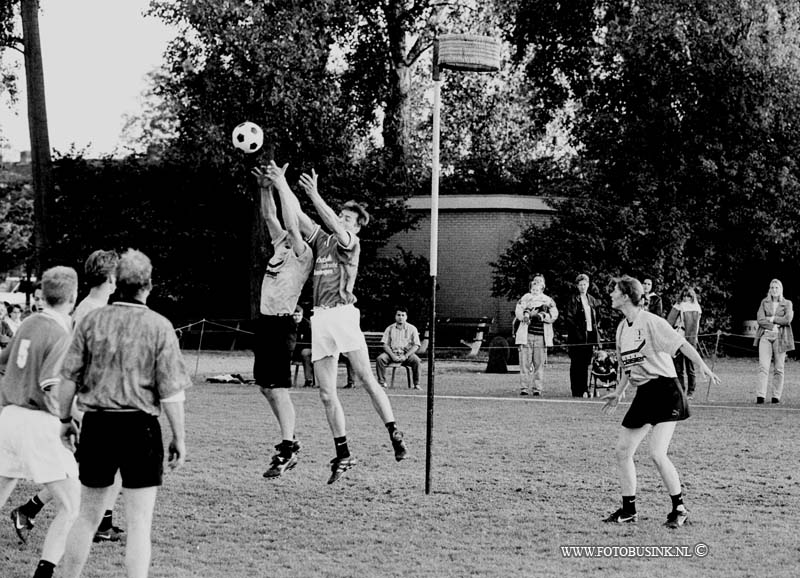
(514, 479)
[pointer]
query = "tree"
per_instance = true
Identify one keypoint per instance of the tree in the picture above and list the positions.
(41, 161)
(687, 143)
(16, 225)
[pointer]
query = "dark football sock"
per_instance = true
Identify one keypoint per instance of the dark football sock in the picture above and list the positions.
(629, 504)
(44, 569)
(106, 522)
(391, 426)
(677, 500)
(342, 451)
(32, 507)
(286, 448)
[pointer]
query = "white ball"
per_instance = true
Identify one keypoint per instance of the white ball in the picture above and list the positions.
(248, 137)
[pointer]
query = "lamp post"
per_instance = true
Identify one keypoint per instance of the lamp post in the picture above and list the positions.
(469, 53)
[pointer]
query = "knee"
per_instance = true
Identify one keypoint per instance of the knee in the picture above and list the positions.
(327, 397)
(623, 452)
(658, 457)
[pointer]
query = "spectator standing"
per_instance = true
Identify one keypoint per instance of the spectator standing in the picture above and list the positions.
(127, 365)
(400, 345)
(774, 338)
(582, 335)
(685, 318)
(535, 314)
(652, 301)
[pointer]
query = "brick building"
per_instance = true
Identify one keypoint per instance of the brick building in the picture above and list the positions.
(474, 230)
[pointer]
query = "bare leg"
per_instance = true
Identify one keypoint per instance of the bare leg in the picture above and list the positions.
(139, 505)
(283, 408)
(325, 374)
(659, 444)
(79, 540)
(359, 360)
(628, 441)
(67, 494)
(7, 486)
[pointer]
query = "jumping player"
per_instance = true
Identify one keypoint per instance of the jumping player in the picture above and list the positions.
(645, 345)
(276, 330)
(335, 325)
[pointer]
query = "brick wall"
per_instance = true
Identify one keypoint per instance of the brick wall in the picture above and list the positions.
(469, 239)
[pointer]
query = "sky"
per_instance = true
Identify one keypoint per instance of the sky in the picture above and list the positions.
(96, 54)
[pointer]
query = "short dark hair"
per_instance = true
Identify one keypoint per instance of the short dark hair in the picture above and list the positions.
(362, 216)
(630, 287)
(401, 309)
(298, 308)
(99, 266)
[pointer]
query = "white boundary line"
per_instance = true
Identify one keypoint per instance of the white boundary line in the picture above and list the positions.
(595, 401)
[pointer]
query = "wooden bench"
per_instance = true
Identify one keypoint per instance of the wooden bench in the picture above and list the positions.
(375, 348)
(468, 331)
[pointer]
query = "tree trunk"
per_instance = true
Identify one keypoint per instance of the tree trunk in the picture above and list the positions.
(41, 163)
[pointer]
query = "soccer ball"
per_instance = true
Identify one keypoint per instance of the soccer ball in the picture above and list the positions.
(248, 137)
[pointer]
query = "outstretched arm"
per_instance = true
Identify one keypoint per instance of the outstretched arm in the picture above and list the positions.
(328, 216)
(692, 355)
(293, 215)
(268, 209)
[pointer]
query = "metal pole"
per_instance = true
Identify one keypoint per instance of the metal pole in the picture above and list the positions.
(434, 253)
(713, 363)
(199, 346)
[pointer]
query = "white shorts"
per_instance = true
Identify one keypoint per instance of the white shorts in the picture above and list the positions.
(335, 331)
(31, 448)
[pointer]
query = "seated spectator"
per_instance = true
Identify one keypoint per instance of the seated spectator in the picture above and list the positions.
(11, 323)
(400, 345)
(302, 348)
(37, 302)
(5, 331)
(302, 351)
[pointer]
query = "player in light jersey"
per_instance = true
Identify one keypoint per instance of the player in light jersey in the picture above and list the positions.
(645, 345)
(276, 331)
(335, 325)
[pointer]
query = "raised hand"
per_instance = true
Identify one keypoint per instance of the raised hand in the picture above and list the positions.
(309, 182)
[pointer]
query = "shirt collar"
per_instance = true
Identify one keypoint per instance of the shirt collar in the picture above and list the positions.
(130, 303)
(62, 319)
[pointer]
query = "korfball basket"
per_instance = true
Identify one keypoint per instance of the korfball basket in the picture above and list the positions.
(469, 52)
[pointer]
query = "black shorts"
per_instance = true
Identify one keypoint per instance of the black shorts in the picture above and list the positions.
(128, 441)
(657, 401)
(275, 338)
